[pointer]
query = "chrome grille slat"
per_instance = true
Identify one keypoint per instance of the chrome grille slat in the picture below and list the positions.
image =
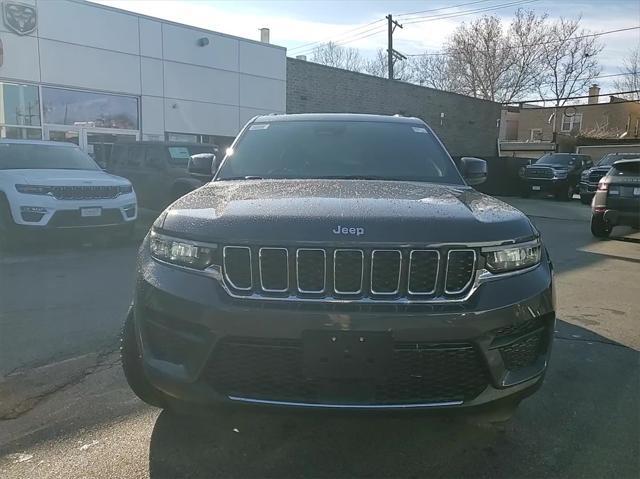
(301, 271)
(442, 273)
(375, 265)
(84, 192)
(450, 276)
(263, 257)
(338, 274)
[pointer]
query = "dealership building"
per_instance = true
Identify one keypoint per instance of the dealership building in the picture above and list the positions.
(77, 71)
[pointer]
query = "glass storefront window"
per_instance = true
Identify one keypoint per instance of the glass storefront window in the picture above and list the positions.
(89, 109)
(17, 133)
(19, 104)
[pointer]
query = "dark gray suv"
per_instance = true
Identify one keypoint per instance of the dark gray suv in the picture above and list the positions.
(340, 262)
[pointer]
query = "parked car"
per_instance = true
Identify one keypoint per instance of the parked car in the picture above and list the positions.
(557, 173)
(341, 261)
(617, 200)
(158, 170)
(591, 177)
(48, 186)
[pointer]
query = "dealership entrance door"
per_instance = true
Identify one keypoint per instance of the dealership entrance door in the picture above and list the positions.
(95, 141)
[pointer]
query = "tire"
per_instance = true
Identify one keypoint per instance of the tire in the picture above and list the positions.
(599, 227)
(132, 366)
(586, 199)
(7, 230)
(565, 193)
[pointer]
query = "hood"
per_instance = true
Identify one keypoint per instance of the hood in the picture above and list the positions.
(342, 211)
(57, 177)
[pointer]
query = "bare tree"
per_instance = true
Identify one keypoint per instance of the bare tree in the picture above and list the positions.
(378, 66)
(435, 71)
(569, 59)
(630, 81)
(334, 55)
(495, 63)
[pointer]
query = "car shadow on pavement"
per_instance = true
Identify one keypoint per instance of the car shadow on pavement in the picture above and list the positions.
(583, 422)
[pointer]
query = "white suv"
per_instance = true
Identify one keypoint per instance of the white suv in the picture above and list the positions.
(47, 185)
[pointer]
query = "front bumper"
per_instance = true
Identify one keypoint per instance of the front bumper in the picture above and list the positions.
(535, 185)
(40, 212)
(199, 345)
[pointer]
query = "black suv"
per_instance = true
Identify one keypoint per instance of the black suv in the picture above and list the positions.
(617, 200)
(157, 169)
(557, 173)
(340, 261)
(591, 177)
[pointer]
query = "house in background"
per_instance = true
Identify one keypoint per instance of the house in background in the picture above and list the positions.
(544, 129)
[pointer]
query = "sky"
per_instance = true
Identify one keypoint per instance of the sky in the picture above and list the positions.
(356, 23)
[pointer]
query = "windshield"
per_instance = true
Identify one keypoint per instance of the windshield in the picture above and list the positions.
(565, 160)
(611, 158)
(39, 157)
(340, 149)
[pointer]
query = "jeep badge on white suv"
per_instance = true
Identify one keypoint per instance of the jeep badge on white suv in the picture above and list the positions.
(50, 186)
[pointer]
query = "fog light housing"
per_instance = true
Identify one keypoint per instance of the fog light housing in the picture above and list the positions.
(32, 214)
(129, 210)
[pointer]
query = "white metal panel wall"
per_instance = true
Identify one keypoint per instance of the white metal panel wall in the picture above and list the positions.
(20, 58)
(197, 83)
(263, 93)
(207, 118)
(73, 65)
(151, 76)
(181, 45)
(84, 24)
(150, 38)
(153, 119)
(262, 60)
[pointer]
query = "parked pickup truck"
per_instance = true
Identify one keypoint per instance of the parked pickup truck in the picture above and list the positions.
(556, 173)
(590, 177)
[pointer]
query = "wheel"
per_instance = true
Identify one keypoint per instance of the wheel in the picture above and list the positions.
(7, 230)
(565, 193)
(132, 366)
(599, 227)
(586, 199)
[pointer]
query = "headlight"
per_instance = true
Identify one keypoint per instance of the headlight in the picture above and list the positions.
(512, 257)
(33, 189)
(181, 252)
(562, 174)
(125, 189)
(585, 174)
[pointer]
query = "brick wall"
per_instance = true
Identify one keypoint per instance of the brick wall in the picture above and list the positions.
(469, 126)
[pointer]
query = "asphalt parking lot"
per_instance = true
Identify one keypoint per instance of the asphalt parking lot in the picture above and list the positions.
(66, 411)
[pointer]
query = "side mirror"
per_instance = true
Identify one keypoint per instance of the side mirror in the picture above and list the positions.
(202, 164)
(474, 170)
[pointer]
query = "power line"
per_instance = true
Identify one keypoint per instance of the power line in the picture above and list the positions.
(538, 100)
(534, 44)
(431, 18)
(345, 39)
(341, 35)
(442, 8)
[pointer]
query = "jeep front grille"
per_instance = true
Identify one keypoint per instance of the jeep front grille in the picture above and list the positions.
(348, 273)
(84, 192)
(596, 176)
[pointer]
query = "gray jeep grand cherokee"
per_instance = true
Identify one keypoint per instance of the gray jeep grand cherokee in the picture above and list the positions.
(340, 261)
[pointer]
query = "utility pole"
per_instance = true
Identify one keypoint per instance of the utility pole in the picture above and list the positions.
(392, 55)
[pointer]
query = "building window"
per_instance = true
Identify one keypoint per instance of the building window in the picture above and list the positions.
(89, 109)
(19, 111)
(571, 123)
(536, 134)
